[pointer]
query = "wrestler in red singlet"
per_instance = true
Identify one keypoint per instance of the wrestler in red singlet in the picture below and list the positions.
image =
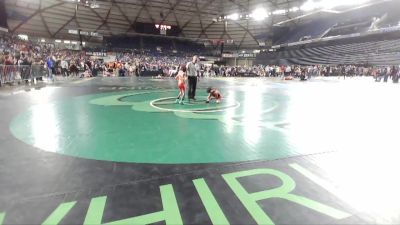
(213, 93)
(181, 77)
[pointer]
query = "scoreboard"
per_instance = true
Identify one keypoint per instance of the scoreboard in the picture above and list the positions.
(156, 29)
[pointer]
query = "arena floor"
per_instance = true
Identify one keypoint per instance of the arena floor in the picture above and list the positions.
(120, 151)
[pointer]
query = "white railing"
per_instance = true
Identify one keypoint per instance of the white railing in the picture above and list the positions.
(17, 73)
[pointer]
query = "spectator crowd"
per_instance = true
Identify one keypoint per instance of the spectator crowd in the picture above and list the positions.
(43, 58)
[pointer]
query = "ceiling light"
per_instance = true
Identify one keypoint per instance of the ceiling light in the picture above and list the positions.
(259, 14)
(94, 5)
(309, 5)
(233, 16)
(329, 4)
(279, 12)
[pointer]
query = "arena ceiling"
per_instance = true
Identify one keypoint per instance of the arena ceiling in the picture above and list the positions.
(196, 18)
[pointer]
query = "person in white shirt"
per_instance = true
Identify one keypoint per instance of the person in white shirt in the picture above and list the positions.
(64, 67)
(288, 71)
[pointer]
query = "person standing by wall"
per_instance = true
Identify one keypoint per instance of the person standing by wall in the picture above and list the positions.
(192, 73)
(386, 74)
(50, 67)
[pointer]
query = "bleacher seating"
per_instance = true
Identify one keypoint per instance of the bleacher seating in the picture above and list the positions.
(350, 27)
(372, 52)
(313, 29)
(332, 24)
(156, 45)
